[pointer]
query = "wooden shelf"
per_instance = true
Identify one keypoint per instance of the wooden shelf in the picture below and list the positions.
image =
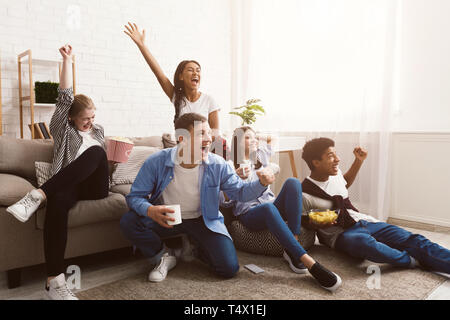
(42, 62)
(26, 58)
(45, 105)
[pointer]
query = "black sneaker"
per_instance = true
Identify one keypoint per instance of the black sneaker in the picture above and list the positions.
(327, 279)
(295, 265)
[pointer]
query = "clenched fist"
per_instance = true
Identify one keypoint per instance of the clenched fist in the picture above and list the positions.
(266, 176)
(360, 153)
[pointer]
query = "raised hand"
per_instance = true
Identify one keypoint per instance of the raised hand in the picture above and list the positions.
(66, 52)
(360, 154)
(134, 34)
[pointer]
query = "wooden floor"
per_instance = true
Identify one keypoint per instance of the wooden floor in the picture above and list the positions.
(109, 267)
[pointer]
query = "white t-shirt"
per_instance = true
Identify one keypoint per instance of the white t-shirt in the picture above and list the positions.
(88, 141)
(203, 106)
(334, 186)
(184, 190)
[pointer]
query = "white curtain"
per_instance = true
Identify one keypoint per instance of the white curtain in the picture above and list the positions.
(324, 68)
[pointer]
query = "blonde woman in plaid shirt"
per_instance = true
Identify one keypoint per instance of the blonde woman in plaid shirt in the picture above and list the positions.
(80, 172)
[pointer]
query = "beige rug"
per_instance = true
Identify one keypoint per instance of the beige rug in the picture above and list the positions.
(194, 281)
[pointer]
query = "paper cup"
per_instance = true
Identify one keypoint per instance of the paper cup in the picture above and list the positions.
(176, 215)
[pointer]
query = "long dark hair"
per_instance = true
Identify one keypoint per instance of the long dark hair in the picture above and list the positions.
(234, 146)
(179, 87)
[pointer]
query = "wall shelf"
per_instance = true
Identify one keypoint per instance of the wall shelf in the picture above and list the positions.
(25, 59)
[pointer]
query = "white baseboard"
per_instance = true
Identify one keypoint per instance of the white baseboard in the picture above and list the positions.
(413, 218)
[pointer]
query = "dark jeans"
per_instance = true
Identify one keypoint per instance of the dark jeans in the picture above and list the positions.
(86, 178)
(217, 250)
(385, 243)
(287, 206)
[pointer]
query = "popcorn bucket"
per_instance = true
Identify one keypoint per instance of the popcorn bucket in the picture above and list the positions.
(118, 149)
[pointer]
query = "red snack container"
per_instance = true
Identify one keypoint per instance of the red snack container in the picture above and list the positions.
(118, 149)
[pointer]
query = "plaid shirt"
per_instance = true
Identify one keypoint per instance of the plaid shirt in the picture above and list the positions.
(66, 138)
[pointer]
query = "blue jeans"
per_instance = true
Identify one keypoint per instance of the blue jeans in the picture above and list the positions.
(215, 249)
(385, 243)
(287, 206)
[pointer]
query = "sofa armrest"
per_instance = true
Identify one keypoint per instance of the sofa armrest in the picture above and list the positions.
(13, 188)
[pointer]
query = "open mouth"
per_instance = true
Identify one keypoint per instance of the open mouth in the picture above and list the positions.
(195, 81)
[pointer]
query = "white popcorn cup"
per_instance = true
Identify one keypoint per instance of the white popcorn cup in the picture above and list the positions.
(176, 215)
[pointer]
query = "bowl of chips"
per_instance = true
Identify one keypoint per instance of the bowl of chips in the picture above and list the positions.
(322, 218)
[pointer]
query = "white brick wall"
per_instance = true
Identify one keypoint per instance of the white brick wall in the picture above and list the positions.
(109, 67)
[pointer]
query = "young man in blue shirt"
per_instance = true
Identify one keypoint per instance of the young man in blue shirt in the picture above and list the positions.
(193, 177)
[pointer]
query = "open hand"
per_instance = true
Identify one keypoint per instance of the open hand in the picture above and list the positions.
(134, 34)
(360, 153)
(66, 52)
(158, 214)
(265, 176)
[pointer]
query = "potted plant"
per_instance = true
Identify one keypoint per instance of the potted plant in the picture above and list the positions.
(46, 92)
(249, 111)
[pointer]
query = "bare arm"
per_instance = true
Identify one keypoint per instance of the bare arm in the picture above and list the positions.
(213, 120)
(360, 156)
(65, 79)
(139, 39)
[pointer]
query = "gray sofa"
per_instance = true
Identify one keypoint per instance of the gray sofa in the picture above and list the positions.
(93, 225)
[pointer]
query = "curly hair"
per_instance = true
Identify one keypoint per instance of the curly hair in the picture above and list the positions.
(314, 149)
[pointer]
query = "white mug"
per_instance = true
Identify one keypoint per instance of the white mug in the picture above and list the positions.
(176, 215)
(246, 164)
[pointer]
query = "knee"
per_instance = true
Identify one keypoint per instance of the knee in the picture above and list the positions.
(229, 269)
(97, 151)
(294, 184)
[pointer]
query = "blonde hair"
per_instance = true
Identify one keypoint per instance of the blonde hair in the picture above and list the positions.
(80, 103)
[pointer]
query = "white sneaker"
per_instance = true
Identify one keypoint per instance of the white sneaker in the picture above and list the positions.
(159, 273)
(58, 290)
(25, 207)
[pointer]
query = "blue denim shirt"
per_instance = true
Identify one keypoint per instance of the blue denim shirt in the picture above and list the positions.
(214, 175)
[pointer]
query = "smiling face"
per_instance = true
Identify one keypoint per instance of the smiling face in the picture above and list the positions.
(84, 119)
(190, 76)
(200, 141)
(194, 141)
(328, 164)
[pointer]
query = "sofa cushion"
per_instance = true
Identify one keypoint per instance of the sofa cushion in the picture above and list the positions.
(43, 172)
(92, 211)
(123, 189)
(19, 155)
(153, 141)
(12, 189)
(264, 242)
(125, 173)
